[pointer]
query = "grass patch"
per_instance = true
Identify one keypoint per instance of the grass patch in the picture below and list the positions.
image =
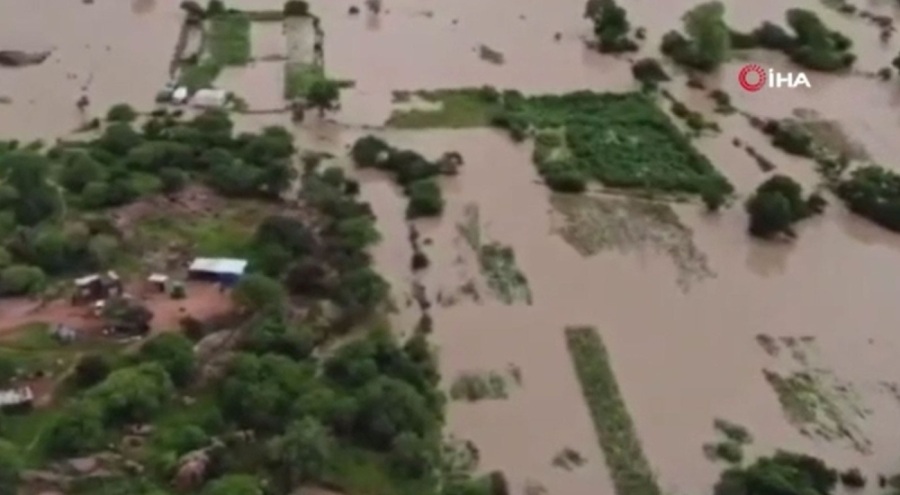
(298, 77)
(496, 261)
(229, 39)
(592, 224)
(228, 234)
(199, 76)
(818, 408)
(630, 471)
(26, 432)
(227, 43)
(456, 109)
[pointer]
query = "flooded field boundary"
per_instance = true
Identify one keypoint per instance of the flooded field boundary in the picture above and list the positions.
(616, 433)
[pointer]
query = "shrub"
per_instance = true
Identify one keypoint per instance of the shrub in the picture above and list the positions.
(425, 199)
(19, 280)
(419, 261)
(91, 370)
(649, 71)
(215, 7)
(296, 8)
(121, 112)
(853, 478)
(369, 151)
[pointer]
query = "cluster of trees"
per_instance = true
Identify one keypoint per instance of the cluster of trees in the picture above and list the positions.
(708, 41)
(873, 192)
(813, 45)
(413, 172)
(611, 26)
(789, 137)
(119, 166)
(784, 473)
(777, 204)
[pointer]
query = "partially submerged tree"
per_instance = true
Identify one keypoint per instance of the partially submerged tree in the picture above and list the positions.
(711, 38)
(324, 95)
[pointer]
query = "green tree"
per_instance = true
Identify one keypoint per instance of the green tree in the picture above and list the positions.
(19, 280)
(357, 233)
(286, 232)
(770, 213)
(389, 407)
(303, 452)
(296, 8)
(425, 199)
(323, 94)
(79, 170)
(133, 394)
(121, 112)
(361, 289)
(412, 455)
(276, 336)
(7, 369)
(26, 172)
(709, 34)
(119, 139)
(103, 250)
(256, 292)
(234, 484)
(173, 179)
(78, 431)
(91, 370)
(175, 353)
(11, 466)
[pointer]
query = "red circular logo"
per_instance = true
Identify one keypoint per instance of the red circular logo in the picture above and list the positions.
(752, 77)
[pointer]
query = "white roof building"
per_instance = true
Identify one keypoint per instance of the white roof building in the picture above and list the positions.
(210, 98)
(227, 266)
(15, 397)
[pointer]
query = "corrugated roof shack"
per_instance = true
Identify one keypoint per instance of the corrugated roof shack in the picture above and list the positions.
(16, 400)
(226, 271)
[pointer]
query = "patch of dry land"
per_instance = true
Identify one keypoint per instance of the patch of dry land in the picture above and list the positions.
(466, 273)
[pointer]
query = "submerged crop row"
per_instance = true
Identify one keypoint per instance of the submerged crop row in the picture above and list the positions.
(630, 471)
(621, 140)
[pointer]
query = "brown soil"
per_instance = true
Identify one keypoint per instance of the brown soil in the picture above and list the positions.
(204, 301)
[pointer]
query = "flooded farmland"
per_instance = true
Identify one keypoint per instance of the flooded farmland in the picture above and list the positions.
(683, 354)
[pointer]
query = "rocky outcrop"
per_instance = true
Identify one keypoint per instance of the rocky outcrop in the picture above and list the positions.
(17, 58)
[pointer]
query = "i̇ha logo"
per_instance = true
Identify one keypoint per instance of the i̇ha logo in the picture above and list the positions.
(753, 78)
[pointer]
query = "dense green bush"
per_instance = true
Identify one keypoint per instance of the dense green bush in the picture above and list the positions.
(649, 71)
(297, 8)
(11, 466)
(611, 27)
(425, 199)
(784, 473)
(775, 206)
(18, 280)
(91, 370)
(175, 353)
(873, 192)
(121, 112)
(813, 46)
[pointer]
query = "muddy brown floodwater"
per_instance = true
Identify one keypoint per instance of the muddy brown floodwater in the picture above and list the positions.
(681, 358)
